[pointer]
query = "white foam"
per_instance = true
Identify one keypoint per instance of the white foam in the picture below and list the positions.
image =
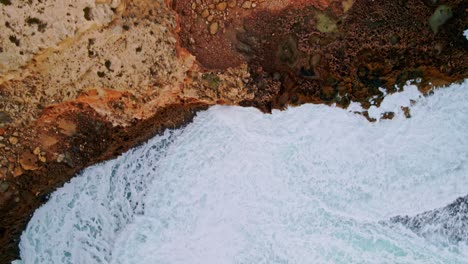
(394, 102)
(306, 185)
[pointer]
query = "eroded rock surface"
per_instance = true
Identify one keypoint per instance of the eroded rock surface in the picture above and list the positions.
(329, 51)
(82, 81)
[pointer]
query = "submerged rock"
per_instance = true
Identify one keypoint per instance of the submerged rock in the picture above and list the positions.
(449, 222)
(441, 15)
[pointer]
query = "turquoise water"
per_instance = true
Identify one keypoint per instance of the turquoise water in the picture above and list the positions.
(313, 184)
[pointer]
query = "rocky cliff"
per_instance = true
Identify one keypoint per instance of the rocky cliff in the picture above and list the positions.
(82, 81)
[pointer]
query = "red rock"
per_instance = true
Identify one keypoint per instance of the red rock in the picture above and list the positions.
(17, 172)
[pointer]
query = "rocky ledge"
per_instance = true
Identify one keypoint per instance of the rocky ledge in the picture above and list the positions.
(83, 81)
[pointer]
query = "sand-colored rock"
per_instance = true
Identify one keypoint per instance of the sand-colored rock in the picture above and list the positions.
(214, 28)
(37, 151)
(221, 6)
(34, 26)
(247, 4)
(13, 140)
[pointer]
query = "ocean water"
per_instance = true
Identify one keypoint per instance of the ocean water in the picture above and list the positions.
(312, 184)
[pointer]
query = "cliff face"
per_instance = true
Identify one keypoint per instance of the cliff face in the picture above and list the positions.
(83, 81)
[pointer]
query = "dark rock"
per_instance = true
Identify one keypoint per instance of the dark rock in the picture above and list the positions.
(4, 187)
(4, 117)
(450, 222)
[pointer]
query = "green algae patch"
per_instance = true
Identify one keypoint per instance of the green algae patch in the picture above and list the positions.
(212, 80)
(288, 52)
(440, 16)
(325, 24)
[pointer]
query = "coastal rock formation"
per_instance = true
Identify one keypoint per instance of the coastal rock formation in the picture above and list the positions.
(82, 81)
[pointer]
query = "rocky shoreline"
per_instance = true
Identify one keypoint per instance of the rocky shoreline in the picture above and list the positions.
(84, 82)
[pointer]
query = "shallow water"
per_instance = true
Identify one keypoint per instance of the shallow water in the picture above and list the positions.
(313, 184)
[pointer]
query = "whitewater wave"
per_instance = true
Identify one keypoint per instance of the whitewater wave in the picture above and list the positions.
(312, 184)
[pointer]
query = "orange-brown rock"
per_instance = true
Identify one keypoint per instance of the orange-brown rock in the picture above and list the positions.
(84, 82)
(29, 161)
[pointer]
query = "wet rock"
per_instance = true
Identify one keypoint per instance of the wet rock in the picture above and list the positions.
(406, 111)
(440, 16)
(4, 187)
(449, 222)
(394, 39)
(4, 117)
(68, 160)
